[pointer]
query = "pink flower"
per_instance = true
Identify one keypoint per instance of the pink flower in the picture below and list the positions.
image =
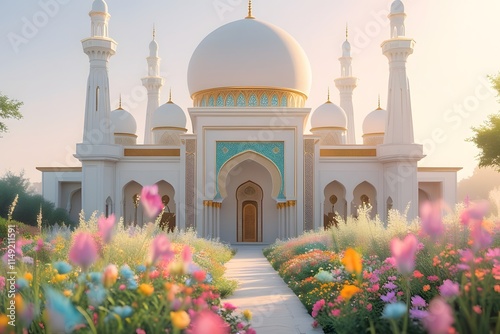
(449, 289)
(477, 309)
(430, 216)
(403, 252)
(481, 238)
(369, 307)
(474, 212)
(83, 252)
(439, 318)
(140, 331)
(186, 255)
(105, 226)
(209, 323)
(336, 312)
(39, 245)
(433, 278)
(151, 201)
(229, 306)
(160, 249)
(2, 283)
(199, 275)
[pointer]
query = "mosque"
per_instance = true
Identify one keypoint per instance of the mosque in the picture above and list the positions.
(250, 171)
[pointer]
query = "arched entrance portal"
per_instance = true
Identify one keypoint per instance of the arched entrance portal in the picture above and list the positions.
(249, 201)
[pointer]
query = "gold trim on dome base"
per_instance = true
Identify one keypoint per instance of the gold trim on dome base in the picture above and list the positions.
(231, 97)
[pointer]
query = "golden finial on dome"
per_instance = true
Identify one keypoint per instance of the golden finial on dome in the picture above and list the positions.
(170, 96)
(328, 99)
(249, 10)
(379, 103)
(346, 31)
(120, 103)
(154, 32)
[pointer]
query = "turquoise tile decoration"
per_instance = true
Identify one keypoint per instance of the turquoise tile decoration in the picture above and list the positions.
(274, 151)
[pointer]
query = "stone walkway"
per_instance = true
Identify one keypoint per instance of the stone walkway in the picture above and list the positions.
(275, 308)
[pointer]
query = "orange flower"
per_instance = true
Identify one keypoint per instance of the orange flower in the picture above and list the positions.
(497, 288)
(426, 287)
(348, 291)
(146, 289)
(352, 261)
(180, 319)
(19, 303)
(28, 276)
(417, 274)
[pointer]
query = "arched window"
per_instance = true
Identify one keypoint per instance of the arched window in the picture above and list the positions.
(252, 101)
(109, 206)
(283, 101)
(264, 101)
(274, 101)
(230, 101)
(204, 102)
(211, 101)
(220, 101)
(241, 101)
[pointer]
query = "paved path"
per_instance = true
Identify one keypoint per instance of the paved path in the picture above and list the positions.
(275, 308)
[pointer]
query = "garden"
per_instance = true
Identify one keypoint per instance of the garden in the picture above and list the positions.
(103, 277)
(434, 275)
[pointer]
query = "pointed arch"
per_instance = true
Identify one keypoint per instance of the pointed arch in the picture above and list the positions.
(226, 169)
(364, 194)
(335, 202)
(249, 196)
(132, 210)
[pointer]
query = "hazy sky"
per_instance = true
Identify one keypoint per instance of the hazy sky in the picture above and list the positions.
(45, 67)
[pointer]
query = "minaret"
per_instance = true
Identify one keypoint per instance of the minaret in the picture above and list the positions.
(99, 48)
(399, 153)
(346, 85)
(399, 129)
(153, 83)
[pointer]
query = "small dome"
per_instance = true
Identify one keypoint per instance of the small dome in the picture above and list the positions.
(346, 49)
(329, 115)
(397, 7)
(169, 115)
(374, 122)
(100, 6)
(123, 122)
(249, 53)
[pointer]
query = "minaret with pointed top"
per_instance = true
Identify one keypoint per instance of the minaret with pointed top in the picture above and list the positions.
(153, 83)
(99, 48)
(399, 153)
(346, 85)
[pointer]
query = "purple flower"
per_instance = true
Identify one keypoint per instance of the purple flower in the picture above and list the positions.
(390, 286)
(449, 289)
(417, 301)
(418, 314)
(83, 252)
(474, 212)
(481, 238)
(433, 278)
(105, 226)
(151, 201)
(390, 297)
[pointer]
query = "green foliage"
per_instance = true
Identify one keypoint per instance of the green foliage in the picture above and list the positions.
(29, 204)
(8, 109)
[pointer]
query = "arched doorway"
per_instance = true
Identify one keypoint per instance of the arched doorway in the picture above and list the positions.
(335, 203)
(364, 194)
(132, 210)
(249, 197)
(168, 216)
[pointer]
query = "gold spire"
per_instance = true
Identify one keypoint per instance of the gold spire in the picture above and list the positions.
(249, 16)
(328, 99)
(170, 96)
(120, 103)
(154, 32)
(379, 103)
(346, 31)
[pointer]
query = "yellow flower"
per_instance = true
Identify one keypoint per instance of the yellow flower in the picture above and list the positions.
(67, 293)
(352, 261)
(180, 319)
(348, 291)
(247, 314)
(146, 289)
(60, 278)
(28, 276)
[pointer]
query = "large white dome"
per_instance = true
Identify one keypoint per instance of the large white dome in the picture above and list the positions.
(169, 115)
(123, 122)
(249, 53)
(329, 115)
(375, 121)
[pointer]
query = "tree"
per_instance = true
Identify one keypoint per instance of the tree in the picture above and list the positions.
(8, 109)
(487, 136)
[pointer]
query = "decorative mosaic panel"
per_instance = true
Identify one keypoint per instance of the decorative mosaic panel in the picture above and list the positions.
(309, 184)
(190, 182)
(274, 151)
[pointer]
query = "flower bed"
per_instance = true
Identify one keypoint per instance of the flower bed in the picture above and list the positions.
(104, 278)
(435, 276)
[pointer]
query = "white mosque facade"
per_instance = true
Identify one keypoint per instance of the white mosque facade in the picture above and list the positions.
(250, 171)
